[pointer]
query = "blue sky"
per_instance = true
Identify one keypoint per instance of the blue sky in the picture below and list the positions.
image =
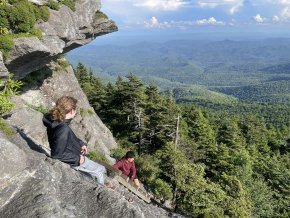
(177, 18)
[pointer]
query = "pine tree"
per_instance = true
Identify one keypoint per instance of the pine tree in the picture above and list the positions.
(229, 133)
(195, 195)
(199, 130)
(155, 111)
(82, 74)
(126, 108)
(255, 133)
(98, 95)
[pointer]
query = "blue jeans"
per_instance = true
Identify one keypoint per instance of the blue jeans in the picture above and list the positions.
(94, 169)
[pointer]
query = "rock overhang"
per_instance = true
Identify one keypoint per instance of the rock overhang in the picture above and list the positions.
(65, 30)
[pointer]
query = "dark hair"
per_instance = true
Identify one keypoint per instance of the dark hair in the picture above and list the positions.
(130, 154)
(63, 106)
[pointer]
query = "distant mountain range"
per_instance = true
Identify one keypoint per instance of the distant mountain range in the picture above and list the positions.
(257, 70)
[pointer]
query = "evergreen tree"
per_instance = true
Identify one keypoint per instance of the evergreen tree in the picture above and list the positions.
(195, 195)
(199, 130)
(82, 75)
(229, 133)
(126, 109)
(255, 133)
(97, 96)
(155, 110)
(168, 122)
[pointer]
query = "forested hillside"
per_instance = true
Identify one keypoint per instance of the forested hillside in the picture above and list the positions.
(268, 92)
(209, 164)
(252, 71)
(202, 62)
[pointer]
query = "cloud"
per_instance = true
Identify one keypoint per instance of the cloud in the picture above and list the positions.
(282, 2)
(259, 19)
(154, 23)
(165, 5)
(232, 5)
(209, 21)
(275, 19)
(285, 13)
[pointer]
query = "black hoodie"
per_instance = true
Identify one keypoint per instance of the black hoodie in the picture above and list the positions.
(65, 145)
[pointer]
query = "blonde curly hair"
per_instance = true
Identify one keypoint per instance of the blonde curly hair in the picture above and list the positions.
(63, 106)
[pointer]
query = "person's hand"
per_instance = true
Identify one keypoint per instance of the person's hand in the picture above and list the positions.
(82, 159)
(84, 150)
(137, 183)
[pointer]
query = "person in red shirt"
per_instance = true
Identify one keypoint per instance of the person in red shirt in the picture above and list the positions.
(127, 166)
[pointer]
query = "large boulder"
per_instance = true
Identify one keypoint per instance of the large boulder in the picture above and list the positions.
(34, 185)
(64, 31)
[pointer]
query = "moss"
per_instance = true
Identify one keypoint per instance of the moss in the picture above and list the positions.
(56, 5)
(6, 43)
(3, 2)
(100, 15)
(40, 108)
(4, 15)
(91, 112)
(53, 5)
(36, 32)
(5, 129)
(63, 63)
(3, 31)
(69, 3)
(41, 13)
(22, 17)
(83, 112)
(19, 18)
(96, 155)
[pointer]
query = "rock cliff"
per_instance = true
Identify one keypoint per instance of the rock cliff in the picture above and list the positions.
(64, 30)
(34, 185)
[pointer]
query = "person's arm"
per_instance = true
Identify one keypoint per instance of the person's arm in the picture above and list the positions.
(118, 165)
(82, 145)
(60, 148)
(133, 170)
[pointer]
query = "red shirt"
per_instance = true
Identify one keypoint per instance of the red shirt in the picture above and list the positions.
(127, 168)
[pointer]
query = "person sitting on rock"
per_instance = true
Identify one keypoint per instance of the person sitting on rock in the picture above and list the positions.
(127, 166)
(65, 145)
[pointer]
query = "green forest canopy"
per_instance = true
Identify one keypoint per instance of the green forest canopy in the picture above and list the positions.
(212, 165)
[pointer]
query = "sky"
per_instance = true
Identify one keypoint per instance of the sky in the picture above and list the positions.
(196, 19)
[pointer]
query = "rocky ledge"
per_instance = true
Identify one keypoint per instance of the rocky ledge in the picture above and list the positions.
(64, 31)
(38, 186)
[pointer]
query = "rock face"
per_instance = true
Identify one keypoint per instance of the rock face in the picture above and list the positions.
(55, 82)
(3, 70)
(65, 30)
(38, 186)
